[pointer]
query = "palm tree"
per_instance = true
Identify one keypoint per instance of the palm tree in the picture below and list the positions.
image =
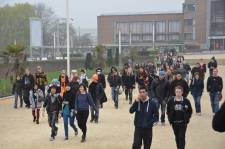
(16, 52)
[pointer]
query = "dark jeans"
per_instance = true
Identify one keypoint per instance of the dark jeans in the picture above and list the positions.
(67, 117)
(214, 98)
(18, 95)
(144, 134)
(115, 96)
(197, 100)
(129, 94)
(95, 114)
(162, 104)
(179, 132)
(82, 117)
(52, 118)
(26, 97)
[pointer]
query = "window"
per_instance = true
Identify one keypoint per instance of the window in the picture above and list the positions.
(160, 37)
(174, 26)
(147, 37)
(123, 27)
(160, 27)
(147, 27)
(173, 37)
(188, 22)
(188, 36)
(189, 7)
(136, 28)
(136, 38)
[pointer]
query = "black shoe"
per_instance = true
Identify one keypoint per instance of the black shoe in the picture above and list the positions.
(96, 121)
(76, 131)
(66, 138)
(126, 98)
(56, 131)
(15, 107)
(130, 102)
(34, 119)
(92, 119)
(37, 121)
(83, 139)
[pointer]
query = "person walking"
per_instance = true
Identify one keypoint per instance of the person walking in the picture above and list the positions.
(215, 87)
(40, 79)
(36, 98)
(53, 106)
(28, 84)
(68, 113)
(160, 91)
(115, 82)
(146, 116)
(129, 84)
(17, 91)
(82, 103)
(179, 111)
(197, 87)
(97, 92)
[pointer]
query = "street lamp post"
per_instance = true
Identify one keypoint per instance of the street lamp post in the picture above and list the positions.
(68, 38)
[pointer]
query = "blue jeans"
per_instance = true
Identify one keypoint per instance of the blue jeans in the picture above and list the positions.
(67, 117)
(52, 118)
(214, 97)
(18, 95)
(197, 100)
(115, 96)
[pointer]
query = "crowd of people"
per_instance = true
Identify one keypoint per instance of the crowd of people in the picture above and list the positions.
(163, 88)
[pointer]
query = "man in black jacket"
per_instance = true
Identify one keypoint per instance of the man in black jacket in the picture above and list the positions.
(115, 82)
(211, 65)
(179, 81)
(146, 115)
(96, 91)
(53, 105)
(28, 84)
(179, 112)
(215, 87)
(160, 91)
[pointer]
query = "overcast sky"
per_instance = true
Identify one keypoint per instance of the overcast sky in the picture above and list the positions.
(85, 12)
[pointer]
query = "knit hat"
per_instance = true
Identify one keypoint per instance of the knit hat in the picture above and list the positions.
(162, 74)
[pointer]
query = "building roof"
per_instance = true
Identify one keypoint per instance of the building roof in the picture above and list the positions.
(142, 13)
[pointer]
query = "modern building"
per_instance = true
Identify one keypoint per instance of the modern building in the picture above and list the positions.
(201, 25)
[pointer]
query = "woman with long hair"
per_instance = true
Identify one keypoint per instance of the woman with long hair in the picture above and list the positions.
(82, 103)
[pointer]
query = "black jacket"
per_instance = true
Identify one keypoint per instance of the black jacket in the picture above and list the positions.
(97, 92)
(218, 122)
(160, 89)
(214, 84)
(114, 80)
(186, 106)
(146, 113)
(69, 98)
(28, 82)
(182, 83)
(128, 81)
(17, 87)
(212, 65)
(197, 86)
(54, 106)
(102, 79)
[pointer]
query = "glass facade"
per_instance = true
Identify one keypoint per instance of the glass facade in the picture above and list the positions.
(217, 25)
(142, 32)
